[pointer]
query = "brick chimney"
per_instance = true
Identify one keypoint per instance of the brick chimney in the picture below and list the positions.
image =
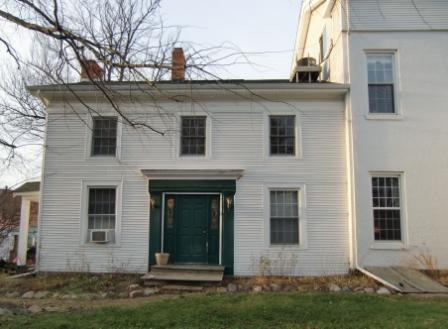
(91, 70)
(178, 65)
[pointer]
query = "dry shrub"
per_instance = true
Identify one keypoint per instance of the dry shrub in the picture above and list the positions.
(353, 280)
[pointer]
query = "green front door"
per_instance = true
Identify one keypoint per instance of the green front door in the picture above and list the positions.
(191, 228)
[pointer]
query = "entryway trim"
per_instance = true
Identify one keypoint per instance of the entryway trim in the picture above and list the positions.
(162, 236)
(225, 187)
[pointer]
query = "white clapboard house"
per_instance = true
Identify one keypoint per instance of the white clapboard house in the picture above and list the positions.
(344, 165)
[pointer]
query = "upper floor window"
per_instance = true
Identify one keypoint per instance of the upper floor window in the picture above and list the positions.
(193, 133)
(104, 136)
(380, 69)
(284, 217)
(282, 135)
(386, 208)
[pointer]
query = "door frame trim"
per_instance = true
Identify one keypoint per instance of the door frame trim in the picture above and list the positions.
(221, 210)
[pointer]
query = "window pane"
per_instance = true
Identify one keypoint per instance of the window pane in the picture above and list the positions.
(282, 135)
(101, 201)
(284, 231)
(386, 208)
(193, 132)
(380, 68)
(381, 98)
(104, 136)
(284, 217)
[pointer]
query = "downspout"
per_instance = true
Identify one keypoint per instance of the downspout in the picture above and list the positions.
(350, 154)
(41, 189)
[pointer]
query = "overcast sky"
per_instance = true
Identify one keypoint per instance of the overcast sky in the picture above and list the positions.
(265, 29)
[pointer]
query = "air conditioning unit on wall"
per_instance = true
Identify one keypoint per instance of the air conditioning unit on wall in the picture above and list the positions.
(100, 236)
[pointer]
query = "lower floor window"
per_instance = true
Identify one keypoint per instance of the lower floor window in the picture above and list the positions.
(386, 208)
(102, 214)
(284, 217)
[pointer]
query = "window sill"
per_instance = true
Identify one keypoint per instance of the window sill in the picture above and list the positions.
(389, 245)
(383, 117)
(102, 158)
(194, 157)
(93, 245)
(288, 247)
(283, 157)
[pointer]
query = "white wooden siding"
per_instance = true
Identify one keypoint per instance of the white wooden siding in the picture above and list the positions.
(390, 15)
(238, 136)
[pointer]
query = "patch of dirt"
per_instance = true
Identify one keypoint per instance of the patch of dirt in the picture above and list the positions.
(74, 305)
(69, 282)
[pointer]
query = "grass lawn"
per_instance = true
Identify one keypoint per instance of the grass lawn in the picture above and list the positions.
(280, 310)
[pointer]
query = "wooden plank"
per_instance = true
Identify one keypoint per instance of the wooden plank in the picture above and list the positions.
(407, 280)
(188, 267)
(421, 280)
(184, 276)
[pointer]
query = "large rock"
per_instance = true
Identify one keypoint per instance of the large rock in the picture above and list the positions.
(12, 294)
(34, 309)
(4, 311)
(334, 287)
(136, 293)
(52, 309)
(289, 287)
(275, 287)
(369, 290)
(257, 289)
(383, 291)
(231, 287)
(221, 290)
(134, 286)
(28, 295)
(150, 291)
(42, 294)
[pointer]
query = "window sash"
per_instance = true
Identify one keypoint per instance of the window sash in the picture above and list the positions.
(386, 205)
(193, 135)
(284, 217)
(282, 135)
(101, 208)
(104, 136)
(381, 83)
(381, 98)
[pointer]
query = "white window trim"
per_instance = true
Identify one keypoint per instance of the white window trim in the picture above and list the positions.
(208, 137)
(390, 245)
(301, 193)
(267, 140)
(86, 184)
(398, 115)
(88, 137)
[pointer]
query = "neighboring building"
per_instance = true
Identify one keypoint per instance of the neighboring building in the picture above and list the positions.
(393, 54)
(11, 206)
(273, 177)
